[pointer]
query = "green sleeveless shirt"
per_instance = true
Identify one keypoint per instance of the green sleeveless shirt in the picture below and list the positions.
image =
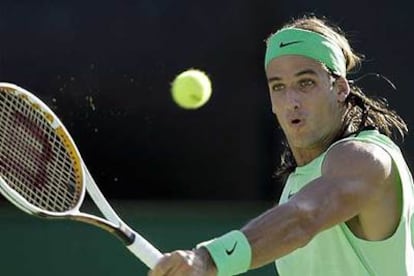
(337, 251)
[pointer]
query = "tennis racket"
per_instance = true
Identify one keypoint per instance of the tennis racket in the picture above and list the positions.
(42, 172)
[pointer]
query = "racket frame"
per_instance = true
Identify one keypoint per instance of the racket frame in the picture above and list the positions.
(140, 247)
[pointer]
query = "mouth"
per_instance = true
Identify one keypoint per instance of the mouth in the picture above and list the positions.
(295, 122)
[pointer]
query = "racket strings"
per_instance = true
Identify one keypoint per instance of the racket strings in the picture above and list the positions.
(33, 159)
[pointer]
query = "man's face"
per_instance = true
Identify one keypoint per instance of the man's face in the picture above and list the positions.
(305, 100)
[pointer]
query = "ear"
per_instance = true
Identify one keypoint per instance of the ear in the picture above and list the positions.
(342, 88)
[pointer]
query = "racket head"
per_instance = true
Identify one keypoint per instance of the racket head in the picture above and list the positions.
(41, 170)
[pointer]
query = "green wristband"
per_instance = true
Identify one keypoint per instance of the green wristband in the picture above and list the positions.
(231, 253)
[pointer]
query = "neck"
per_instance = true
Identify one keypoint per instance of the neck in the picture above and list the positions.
(304, 155)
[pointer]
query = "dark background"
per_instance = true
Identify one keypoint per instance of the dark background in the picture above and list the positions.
(105, 68)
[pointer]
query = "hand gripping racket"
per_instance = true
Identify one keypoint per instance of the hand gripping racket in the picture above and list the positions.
(42, 172)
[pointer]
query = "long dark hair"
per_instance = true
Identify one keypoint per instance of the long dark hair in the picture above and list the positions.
(362, 111)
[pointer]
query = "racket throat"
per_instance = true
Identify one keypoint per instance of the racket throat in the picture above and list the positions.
(126, 234)
(122, 231)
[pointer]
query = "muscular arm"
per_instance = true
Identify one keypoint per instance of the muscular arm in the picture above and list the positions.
(354, 176)
(357, 178)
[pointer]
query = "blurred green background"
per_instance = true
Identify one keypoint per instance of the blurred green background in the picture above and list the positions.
(39, 247)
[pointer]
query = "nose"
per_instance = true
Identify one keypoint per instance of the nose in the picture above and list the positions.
(292, 99)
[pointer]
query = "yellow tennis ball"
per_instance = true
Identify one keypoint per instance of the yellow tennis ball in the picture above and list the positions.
(191, 89)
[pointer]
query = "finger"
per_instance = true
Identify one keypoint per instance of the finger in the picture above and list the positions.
(162, 267)
(183, 263)
(175, 263)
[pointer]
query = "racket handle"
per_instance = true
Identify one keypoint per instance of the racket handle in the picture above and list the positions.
(145, 251)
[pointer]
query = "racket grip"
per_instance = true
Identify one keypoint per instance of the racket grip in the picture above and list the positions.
(145, 251)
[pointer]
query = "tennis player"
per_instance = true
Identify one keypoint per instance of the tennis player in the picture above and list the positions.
(348, 202)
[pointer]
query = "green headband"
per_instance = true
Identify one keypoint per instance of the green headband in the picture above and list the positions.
(294, 41)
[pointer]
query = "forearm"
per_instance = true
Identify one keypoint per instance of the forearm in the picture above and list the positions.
(276, 233)
(291, 225)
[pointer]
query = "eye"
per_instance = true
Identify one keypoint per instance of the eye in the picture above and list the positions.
(306, 84)
(277, 87)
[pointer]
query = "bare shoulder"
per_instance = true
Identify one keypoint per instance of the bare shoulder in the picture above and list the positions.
(359, 159)
(372, 178)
